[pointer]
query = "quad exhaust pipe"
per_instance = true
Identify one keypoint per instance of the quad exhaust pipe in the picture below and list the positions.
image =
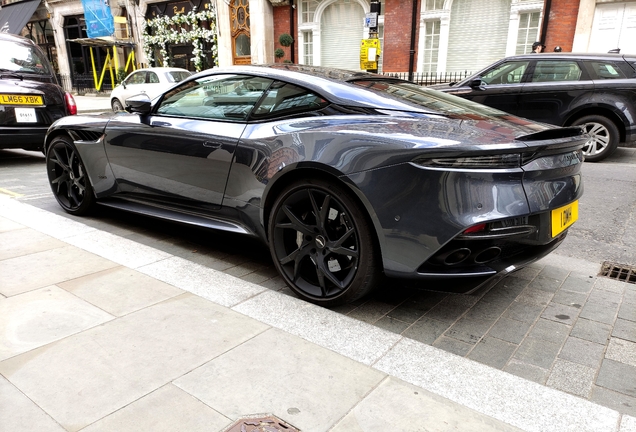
(460, 255)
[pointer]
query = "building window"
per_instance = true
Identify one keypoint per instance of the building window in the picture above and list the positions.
(528, 31)
(431, 46)
(308, 48)
(307, 8)
(434, 5)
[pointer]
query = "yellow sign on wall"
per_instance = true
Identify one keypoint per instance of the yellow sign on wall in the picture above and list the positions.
(369, 54)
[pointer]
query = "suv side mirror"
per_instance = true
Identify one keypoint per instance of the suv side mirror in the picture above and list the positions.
(477, 84)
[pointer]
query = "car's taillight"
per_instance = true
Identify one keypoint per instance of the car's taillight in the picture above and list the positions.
(501, 161)
(71, 106)
(475, 228)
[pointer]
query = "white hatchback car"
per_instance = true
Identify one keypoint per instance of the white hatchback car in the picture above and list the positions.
(150, 81)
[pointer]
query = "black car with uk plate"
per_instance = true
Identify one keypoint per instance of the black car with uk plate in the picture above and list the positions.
(30, 97)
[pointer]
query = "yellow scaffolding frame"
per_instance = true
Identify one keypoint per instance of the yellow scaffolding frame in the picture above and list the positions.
(111, 62)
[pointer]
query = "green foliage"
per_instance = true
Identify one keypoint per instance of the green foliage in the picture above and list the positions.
(121, 74)
(161, 31)
(285, 39)
(286, 61)
(279, 53)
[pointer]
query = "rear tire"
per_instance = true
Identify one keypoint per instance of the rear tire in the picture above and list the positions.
(322, 243)
(68, 177)
(604, 137)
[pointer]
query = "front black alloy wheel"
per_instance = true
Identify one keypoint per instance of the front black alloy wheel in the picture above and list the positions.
(68, 178)
(322, 243)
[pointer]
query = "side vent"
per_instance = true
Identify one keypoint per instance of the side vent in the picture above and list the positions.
(85, 135)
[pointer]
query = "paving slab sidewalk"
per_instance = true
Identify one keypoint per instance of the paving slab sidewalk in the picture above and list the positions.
(138, 339)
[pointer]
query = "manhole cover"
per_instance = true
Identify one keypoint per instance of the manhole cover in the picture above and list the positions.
(621, 272)
(260, 423)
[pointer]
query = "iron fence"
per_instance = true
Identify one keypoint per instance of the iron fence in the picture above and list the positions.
(83, 83)
(426, 78)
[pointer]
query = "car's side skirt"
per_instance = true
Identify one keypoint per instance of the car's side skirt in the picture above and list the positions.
(207, 221)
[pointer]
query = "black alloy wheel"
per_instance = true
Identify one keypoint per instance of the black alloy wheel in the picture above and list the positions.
(322, 243)
(604, 137)
(68, 178)
(117, 106)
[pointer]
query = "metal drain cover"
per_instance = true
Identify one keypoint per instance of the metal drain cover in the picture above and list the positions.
(260, 423)
(621, 272)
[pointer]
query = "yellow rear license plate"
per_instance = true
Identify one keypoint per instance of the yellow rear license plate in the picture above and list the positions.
(8, 99)
(563, 217)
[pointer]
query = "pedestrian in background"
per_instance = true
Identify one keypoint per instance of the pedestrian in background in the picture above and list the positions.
(538, 47)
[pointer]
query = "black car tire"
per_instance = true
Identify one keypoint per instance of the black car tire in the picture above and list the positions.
(322, 243)
(604, 137)
(68, 177)
(117, 106)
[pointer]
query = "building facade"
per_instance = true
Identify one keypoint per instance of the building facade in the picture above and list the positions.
(426, 36)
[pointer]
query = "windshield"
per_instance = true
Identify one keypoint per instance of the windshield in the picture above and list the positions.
(22, 58)
(430, 99)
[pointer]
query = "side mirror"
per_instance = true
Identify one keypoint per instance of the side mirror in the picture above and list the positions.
(477, 84)
(123, 84)
(139, 104)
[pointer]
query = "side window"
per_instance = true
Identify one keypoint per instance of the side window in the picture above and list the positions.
(506, 73)
(606, 70)
(219, 97)
(556, 70)
(152, 78)
(137, 78)
(287, 99)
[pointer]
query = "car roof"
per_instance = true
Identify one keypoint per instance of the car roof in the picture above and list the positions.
(332, 84)
(163, 69)
(577, 56)
(291, 71)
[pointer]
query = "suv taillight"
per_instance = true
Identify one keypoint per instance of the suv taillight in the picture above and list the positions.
(71, 106)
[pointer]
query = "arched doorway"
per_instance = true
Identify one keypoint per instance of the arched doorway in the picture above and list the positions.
(341, 30)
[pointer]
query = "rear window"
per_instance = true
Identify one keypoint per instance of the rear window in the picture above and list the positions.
(608, 70)
(433, 100)
(22, 58)
(177, 76)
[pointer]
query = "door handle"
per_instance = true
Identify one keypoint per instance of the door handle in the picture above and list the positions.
(211, 144)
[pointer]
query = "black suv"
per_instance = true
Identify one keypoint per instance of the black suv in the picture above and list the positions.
(563, 89)
(30, 97)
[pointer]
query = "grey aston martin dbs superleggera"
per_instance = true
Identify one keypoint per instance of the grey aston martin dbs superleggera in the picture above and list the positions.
(345, 175)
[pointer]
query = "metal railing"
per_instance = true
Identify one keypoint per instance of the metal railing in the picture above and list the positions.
(427, 78)
(83, 83)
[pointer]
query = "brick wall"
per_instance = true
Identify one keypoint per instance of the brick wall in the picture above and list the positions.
(397, 35)
(281, 25)
(561, 25)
